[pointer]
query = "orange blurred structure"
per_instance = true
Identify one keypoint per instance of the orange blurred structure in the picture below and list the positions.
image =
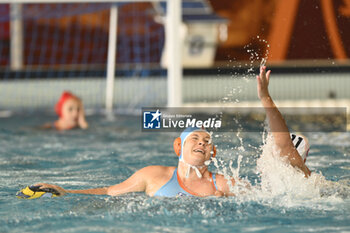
(294, 29)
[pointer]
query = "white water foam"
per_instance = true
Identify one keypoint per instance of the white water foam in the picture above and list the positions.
(281, 184)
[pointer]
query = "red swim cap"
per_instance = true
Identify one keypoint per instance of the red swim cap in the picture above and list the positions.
(64, 97)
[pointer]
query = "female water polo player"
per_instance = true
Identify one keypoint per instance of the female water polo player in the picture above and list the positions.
(195, 149)
(70, 111)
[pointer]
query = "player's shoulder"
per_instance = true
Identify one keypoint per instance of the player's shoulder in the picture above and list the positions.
(156, 170)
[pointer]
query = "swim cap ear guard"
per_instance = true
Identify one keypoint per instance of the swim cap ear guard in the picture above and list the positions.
(177, 148)
(302, 145)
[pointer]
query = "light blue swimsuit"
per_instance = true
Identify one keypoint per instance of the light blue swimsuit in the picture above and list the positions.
(173, 189)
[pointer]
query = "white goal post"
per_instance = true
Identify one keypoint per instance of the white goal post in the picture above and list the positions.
(172, 36)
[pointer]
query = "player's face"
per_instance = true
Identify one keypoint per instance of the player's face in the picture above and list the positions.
(197, 147)
(70, 111)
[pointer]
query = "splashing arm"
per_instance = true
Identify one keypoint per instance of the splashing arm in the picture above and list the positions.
(277, 123)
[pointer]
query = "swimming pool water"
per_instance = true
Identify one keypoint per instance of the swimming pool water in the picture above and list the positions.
(110, 151)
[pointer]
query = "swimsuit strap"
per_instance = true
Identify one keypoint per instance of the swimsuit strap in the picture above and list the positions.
(213, 177)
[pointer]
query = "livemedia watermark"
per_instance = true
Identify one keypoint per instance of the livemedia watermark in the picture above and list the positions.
(156, 119)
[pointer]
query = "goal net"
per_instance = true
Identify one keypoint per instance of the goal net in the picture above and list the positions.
(47, 48)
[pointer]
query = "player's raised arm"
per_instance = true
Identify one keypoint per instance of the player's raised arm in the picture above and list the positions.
(277, 123)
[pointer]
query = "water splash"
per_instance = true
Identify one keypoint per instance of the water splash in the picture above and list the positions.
(260, 53)
(288, 184)
(258, 50)
(280, 184)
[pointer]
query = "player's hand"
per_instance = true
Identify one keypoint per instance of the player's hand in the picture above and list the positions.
(263, 82)
(59, 189)
(81, 118)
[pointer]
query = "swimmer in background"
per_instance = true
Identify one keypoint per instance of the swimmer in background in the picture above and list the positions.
(70, 111)
(195, 150)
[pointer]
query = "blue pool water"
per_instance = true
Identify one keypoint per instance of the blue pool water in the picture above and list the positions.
(110, 151)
